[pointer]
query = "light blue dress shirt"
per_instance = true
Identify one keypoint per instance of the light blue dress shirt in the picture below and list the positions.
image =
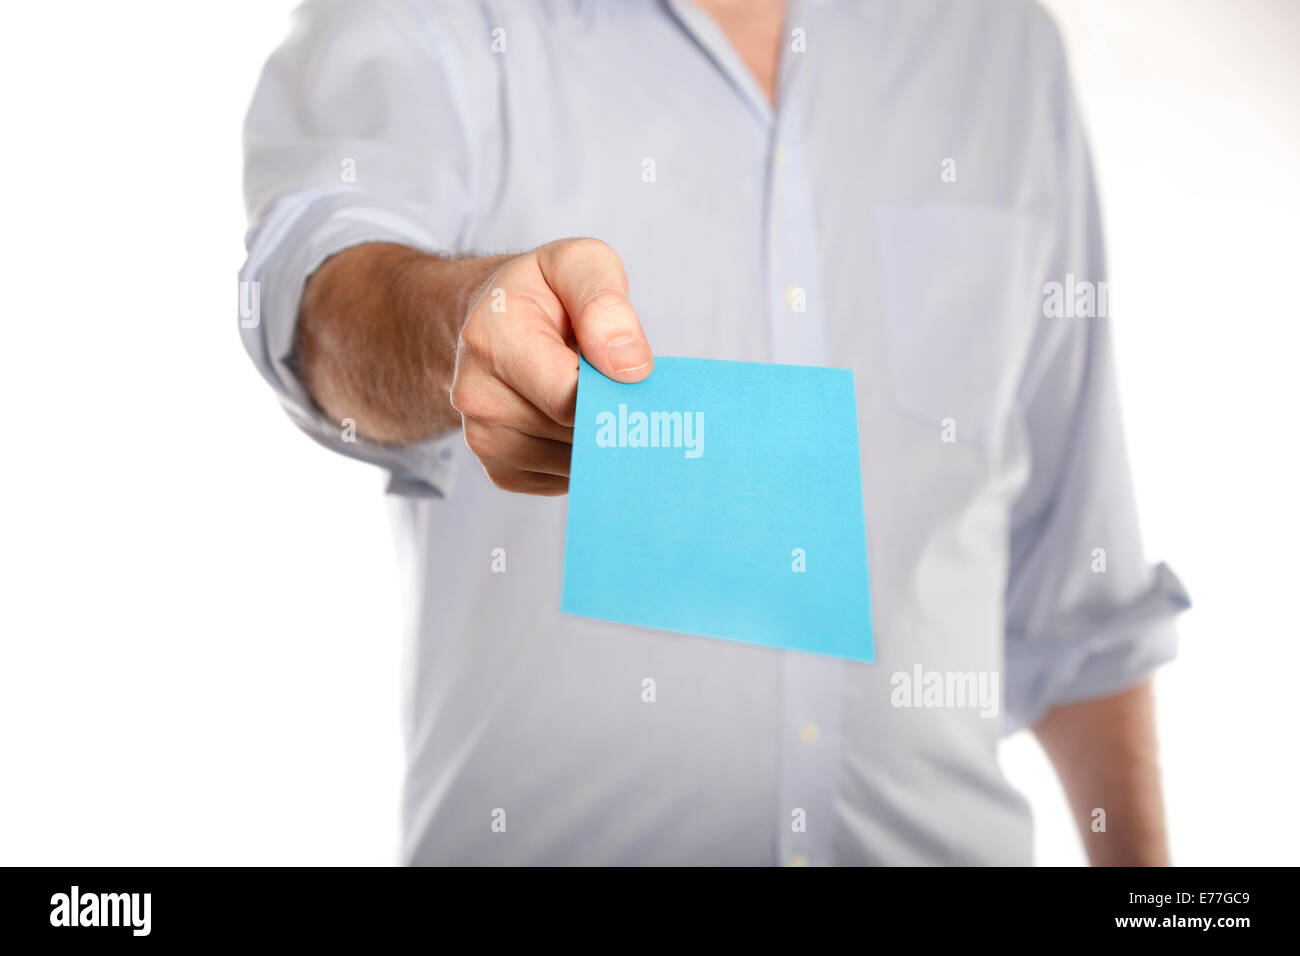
(902, 212)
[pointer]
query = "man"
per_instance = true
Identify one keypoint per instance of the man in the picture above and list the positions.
(887, 186)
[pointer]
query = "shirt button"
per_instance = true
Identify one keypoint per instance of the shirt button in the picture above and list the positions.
(798, 860)
(781, 158)
(810, 733)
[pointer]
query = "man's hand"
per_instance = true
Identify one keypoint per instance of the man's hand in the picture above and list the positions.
(410, 346)
(516, 375)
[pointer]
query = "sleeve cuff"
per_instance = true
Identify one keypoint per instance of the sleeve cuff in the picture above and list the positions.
(299, 233)
(1108, 657)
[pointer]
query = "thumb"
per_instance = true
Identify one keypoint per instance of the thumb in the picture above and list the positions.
(589, 279)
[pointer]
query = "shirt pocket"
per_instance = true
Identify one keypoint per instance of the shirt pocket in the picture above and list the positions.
(959, 286)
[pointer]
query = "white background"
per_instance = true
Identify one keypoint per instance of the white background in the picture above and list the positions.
(200, 642)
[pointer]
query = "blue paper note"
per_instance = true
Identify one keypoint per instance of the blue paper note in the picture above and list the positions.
(722, 499)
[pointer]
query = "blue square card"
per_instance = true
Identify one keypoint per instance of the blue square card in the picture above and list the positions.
(722, 499)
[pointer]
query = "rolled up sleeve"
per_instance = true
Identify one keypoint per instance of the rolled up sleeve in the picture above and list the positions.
(1086, 614)
(356, 134)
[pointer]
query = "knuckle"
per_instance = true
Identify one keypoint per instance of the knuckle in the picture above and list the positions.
(607, 304)
(554, 488)
(480, 441)
(591, 246)
(586, 249)
(526, 313)
(470, 401)
(504, 479)
(561, 412)
(461, 396)
(475, 338)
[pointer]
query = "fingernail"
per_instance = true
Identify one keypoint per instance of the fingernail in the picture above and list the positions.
(628, 354)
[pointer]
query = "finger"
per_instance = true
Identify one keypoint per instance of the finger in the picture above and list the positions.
(525, 350)
(526, 482)
(589, 279)
(500, 445)
(486, 398)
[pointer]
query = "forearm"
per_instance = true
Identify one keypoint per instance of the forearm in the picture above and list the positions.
(410, 346)
(377, 337)
(1105, 753)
